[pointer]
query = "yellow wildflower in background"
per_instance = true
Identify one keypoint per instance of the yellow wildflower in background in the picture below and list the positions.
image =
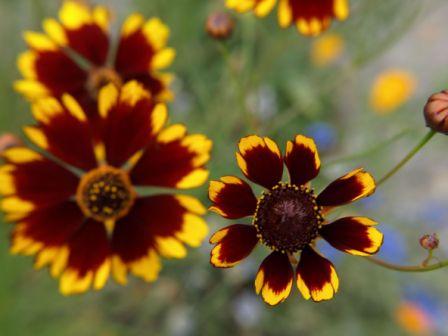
(391, 89)
(327, 49)
(413, 319)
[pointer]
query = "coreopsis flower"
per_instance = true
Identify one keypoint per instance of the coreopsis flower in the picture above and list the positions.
(74, 56)
(88, 209)
(391, 89)
(414, 319)
(327, 49)
(311, 17)
(288, 217)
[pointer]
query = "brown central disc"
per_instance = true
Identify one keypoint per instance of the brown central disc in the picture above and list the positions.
(288, 218)
(99, 77)
(105, 194)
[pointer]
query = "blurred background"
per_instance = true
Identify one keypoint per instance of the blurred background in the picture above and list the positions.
(358, 89)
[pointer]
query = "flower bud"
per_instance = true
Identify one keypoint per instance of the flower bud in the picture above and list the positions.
(429, 241)
(9, 140)
(436, 112)
(219, 25)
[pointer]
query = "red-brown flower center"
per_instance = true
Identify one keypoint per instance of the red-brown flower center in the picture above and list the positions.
(287, 217)
(101, 76)
(105, 194)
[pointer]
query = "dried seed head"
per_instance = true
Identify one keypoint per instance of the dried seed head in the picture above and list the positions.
(429, 241)
(220, 25)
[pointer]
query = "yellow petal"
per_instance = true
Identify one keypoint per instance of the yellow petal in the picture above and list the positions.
(148, 267)
(74, 108)
(39, 41)
(132, 23)
(107, 98)
(195, 179)
(163, 59)
(170, 247)
(194, 230)
(55, 31)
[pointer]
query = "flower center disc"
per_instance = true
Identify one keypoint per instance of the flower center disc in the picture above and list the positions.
(287, 218)
(105, 194)
(101, 76)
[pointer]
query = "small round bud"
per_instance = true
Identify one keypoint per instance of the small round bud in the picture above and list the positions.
(429, 241)
(219, 25)
(9, 140)
(436, 112)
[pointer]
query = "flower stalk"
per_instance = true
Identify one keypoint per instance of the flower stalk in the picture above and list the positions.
(409, 268)
(408, 157)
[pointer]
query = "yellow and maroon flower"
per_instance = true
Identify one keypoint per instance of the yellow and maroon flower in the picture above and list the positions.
(73, 56)
(288, 218)
(311, 17)
(90, 208)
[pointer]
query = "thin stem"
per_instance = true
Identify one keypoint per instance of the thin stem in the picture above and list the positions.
(410, 269)
(371, 151)
(408, 157)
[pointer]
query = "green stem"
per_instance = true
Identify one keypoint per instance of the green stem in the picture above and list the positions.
(371, 151)
(409, 269)
(408, 157)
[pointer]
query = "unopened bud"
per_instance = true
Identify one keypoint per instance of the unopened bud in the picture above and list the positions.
(436, 112)
(219, 25)
(429, 241)
(9, 140)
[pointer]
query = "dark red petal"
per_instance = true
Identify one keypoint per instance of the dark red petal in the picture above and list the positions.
(232, 198)
(233, 244)
(89, 248)
(316, 276)
(302, 160)
(260, 160)
(59, 73)
(68, 135)
(153, 219)
(274, 278)
(175, 160)
(131, 124)
(39, 180)
(311, 17)
(354, 235)
(308, 10)
(90, 41)
(52, 226)
(134, 54)
(151, 82)
(132, 237)
(348, 188)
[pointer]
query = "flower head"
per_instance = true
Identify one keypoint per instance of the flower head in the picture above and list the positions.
(311, 17)
(391, 89)
(72, 56)
(288, 217)
(219, 25)
(436, 112)
(327, 49)
(82, 207)
(429, 241)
